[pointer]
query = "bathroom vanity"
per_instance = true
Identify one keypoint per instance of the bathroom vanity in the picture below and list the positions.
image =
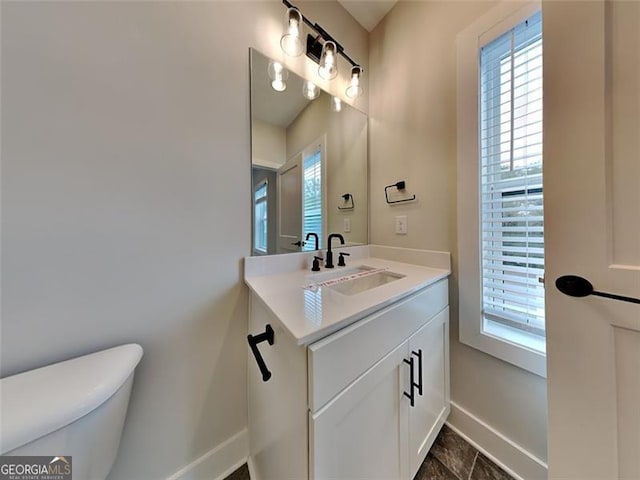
(356, 381)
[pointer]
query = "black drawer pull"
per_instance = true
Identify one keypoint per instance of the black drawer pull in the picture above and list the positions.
(253, 343)
(419, 355)
(575, 286)
(411, 396)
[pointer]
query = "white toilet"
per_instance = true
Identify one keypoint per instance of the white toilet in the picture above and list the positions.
(73, 408)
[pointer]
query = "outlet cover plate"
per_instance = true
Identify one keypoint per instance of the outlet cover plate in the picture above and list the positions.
(401, 225)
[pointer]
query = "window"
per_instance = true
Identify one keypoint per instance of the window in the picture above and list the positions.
(312, 196)
(500, 189)
(512, 226)
(260, 218)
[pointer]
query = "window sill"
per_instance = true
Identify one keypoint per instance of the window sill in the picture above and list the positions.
(515, 337)
(522, 349)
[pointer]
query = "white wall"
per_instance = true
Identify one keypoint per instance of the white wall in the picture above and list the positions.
(126, 201)
(413, 138)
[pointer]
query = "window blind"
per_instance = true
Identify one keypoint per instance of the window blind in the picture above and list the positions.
(512, 220)
(312, 197)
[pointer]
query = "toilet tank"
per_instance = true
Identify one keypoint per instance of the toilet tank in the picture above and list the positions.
(72, 408)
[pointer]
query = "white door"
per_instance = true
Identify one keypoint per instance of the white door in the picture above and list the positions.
(362, 433)
(290, 205)
(592, 229)
(429, 348)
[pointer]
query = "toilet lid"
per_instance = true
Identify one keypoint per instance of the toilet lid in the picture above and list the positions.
(38, 402)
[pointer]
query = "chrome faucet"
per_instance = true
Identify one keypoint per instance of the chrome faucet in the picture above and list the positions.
(329, 259)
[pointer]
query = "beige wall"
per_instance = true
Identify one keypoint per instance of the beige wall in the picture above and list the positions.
(126, 201)
(268, 144)
(413, 138)
(346, 167)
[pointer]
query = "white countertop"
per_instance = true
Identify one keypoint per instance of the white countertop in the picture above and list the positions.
(310, 314)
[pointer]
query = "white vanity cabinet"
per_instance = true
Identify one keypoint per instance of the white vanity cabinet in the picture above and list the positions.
(339, 408)
(362, 433)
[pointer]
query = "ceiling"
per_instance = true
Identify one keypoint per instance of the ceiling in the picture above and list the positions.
(368, 12)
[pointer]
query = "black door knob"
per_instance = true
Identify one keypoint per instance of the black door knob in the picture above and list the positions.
(575, 286)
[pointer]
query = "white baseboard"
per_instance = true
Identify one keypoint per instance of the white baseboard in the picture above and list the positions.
(219, 462)
(252, 469)
(514, 459)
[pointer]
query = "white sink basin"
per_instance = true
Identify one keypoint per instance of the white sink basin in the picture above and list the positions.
(362, 284)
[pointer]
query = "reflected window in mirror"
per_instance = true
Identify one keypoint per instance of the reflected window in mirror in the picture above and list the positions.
(260, 221)
(313, 202)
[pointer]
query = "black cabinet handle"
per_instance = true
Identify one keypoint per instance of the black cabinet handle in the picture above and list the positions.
(419, 355)
(411, 396)
(299, 243)
(575, 286)
(253, 343)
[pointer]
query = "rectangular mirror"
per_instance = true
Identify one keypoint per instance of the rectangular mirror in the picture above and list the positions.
(309, 164)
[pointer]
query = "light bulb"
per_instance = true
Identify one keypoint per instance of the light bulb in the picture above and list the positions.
(290, 41)
(354, 89)
(336, 104)
(278, 75)
(328, 68)
(310, 90)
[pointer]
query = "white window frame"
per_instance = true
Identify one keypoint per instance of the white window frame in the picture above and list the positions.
(320, 144)
(265, 200)
(512, 345)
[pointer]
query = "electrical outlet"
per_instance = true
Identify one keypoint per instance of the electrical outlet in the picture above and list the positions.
(401, 225)
(347, 225)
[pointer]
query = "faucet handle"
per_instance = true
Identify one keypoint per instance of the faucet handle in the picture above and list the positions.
(316, 263)
(341, 256)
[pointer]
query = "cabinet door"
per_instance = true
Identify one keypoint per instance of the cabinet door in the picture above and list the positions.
(362, 433)
(429, 346)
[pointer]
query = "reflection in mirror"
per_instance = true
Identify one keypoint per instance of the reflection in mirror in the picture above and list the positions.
(309, 163)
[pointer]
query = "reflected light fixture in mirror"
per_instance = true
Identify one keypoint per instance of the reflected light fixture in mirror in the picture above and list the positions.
(336, 104)
(290, 41)
(354, 89)
(278, 75)
(310, 90)
(328, 68)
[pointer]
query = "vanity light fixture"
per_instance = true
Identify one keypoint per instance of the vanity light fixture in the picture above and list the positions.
(290, 41)
(328, 66)
(278, 75)
(322, 48)
(354, 89)
(336, 104)
(310, 90)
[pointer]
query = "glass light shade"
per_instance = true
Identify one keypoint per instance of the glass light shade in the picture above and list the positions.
(328, 68)
(354, 89)
(290, 41)
(278, 75)
(310, 90)
(336, 104)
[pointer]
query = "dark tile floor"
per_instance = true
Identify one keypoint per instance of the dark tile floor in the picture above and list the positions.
(240, 474)
(450, 458)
